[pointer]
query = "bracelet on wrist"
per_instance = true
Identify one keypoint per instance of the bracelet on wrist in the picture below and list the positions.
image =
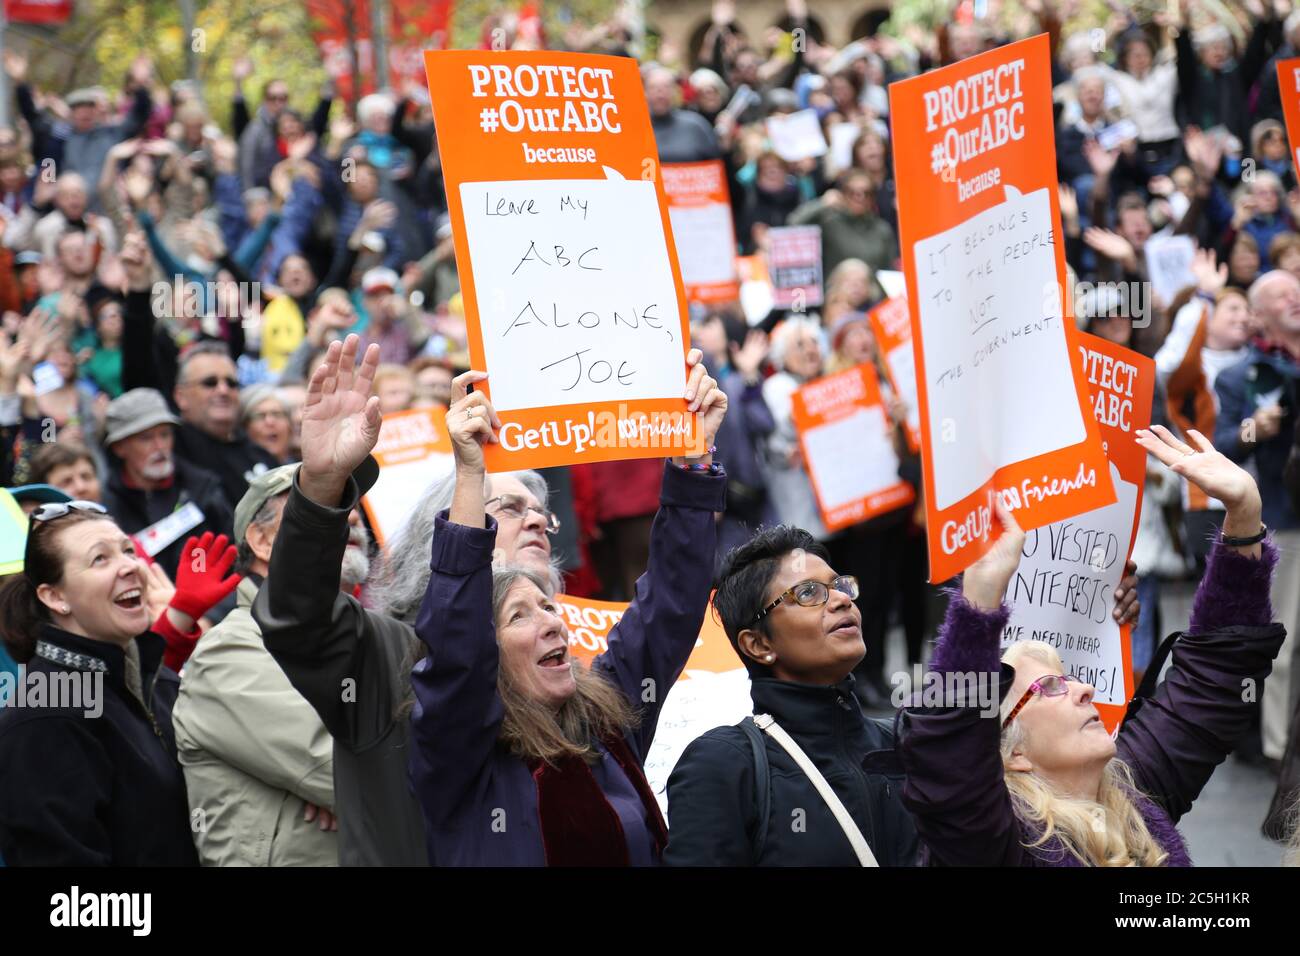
(1232, 542)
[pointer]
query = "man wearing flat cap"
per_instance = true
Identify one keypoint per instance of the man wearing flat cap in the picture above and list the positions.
(259, 763)
(154, 495)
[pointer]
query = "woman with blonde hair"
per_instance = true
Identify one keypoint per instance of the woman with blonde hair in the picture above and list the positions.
(1046, 785)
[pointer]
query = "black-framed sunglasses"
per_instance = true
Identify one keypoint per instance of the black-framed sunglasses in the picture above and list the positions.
(51, 511)
(212, 381)
(812, 594)
(517, 507)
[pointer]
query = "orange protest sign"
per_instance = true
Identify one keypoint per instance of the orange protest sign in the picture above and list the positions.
(1063, 592)
(1288, 86)
(1002, 394)
(589, 622)
(713, 689)
(699, 205)
(892, 325)
(413, 451)
(572, 292)
(847, 443)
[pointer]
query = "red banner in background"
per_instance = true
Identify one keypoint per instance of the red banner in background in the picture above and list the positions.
(413, 27)
(38, 11)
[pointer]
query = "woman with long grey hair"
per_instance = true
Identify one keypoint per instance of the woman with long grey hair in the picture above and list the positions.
(352, 663)
(522, 757)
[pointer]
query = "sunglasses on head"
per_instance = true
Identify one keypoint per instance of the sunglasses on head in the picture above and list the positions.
(57, 509)
(51, 511)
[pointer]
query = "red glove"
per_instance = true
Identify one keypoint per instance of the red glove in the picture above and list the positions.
(201, 580)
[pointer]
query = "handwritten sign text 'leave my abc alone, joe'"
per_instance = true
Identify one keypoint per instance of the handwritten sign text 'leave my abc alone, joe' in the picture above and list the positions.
(573, 296)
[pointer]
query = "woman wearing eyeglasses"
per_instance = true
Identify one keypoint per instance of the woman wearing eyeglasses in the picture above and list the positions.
(1043, 783)
(88, 768)
(324, 642)
(809, 780)
(522, 757)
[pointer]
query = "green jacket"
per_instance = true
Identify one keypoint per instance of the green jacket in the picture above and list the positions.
(253, 750)
(845, 236)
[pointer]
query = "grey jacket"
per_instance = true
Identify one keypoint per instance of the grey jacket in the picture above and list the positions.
(353, 666)
(254, 752)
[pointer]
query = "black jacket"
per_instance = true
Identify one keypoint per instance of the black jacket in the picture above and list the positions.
(353, 666)
(106, 790)
(135, 509)
(712, 801)
(235, 462)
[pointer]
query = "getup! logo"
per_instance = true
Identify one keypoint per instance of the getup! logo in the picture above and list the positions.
(78, 909)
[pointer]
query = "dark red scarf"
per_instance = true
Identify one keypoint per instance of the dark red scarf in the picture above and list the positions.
(579, 827)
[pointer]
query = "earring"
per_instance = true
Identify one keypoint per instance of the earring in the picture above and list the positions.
(770, 658)
(64, 609)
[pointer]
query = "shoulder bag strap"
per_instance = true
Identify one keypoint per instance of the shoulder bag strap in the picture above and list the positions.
(768, 725)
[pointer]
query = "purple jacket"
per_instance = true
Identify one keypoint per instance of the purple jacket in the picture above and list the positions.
(955, 786)
(480, 801)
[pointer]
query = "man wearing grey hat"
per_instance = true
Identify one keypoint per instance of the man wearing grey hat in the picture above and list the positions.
(154, 495)
(259, 764)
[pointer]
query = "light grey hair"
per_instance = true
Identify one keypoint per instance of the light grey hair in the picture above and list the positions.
(403, 573)
(204, 347)
(506, 576)
(785, 334)
(269, 512)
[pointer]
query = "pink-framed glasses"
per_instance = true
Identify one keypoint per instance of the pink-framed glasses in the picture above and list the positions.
(1049, 685)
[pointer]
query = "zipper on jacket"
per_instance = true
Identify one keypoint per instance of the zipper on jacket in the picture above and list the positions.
(838, 729)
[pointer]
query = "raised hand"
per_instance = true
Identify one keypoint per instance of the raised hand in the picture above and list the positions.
(1212, 472)
(301, 147)
(340, 420)
(1209, 279)
(13, 357)
(16, 66)
(136, 261)
(704, 397)
(1126, 595)
(201, 575)
(749, 358)
(158, 590)
(1110, 244)
(470, 422)
(1069, 203)
(985, 582)
(1101, 160)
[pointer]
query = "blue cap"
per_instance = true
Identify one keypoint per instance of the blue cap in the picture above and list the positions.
(45, 494)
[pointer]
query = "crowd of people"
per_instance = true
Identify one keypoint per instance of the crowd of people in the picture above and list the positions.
(203, 327)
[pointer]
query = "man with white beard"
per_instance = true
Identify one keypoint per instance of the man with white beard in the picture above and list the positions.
(155, 497)
(259, 764)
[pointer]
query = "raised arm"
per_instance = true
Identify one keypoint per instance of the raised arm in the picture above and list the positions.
(955, 787)
(343, 659)
(648, 648)
(458, 712)
(1203, 706)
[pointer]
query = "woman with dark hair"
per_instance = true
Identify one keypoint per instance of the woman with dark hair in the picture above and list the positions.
(810, 780)
(1046, 784)
(69, 466)
(88, 771)
(521, 756)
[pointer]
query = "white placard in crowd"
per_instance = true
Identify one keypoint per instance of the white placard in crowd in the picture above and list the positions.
(588, 299)
(981, 331)
(796, 136)
(1169, 264)
(1069, 572)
